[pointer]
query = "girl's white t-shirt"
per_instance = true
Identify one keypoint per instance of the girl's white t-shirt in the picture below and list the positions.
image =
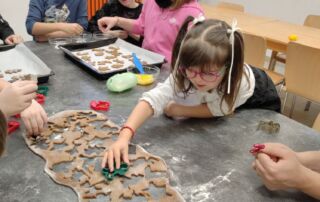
(163, 93)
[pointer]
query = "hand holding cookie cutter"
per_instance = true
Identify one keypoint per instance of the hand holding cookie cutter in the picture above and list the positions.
(117, 172)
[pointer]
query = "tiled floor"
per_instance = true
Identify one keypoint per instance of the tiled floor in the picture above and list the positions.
(299, 114)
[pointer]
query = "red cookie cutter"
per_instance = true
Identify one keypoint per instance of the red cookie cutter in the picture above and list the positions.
(100, 105)
(12, 126)
(18, 116)
(40, 98)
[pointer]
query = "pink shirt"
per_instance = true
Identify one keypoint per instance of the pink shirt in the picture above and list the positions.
(161, 26)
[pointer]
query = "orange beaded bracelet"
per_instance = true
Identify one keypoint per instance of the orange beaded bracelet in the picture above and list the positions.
(129, 128)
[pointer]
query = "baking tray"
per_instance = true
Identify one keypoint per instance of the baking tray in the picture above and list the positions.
(124, 48)
(20, 57)
(5, 47)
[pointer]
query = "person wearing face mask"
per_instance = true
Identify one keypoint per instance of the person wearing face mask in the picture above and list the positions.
(159, 23)
(122, 8)
(56, 18)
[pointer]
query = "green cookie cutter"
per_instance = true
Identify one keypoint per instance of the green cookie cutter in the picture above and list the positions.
(117, 172)
(43, 90)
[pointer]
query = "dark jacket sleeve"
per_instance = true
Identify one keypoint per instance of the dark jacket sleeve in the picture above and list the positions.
(93, 23)
(3, 132)
(5, 29)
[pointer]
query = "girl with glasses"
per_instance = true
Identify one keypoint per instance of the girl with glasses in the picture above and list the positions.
(207, 61)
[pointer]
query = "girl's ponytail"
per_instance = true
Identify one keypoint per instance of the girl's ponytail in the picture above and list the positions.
(177, 44)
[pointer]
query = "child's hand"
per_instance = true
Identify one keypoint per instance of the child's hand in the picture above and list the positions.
(34, 118)
(172, 109)
(116, 150)
(17, 96)
(72, 28)
(41, 38)
(106, 23)
(13, 39)
(285, 173)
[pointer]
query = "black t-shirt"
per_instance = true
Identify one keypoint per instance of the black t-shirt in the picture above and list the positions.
(5, 29)
(112, 9)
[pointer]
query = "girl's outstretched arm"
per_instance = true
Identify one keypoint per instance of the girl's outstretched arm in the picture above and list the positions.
(120, 148)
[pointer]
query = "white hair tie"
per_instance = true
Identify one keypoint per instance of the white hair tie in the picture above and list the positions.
(200, 18)
(231, 31)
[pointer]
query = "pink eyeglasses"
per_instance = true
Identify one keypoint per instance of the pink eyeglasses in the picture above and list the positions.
(206, 76)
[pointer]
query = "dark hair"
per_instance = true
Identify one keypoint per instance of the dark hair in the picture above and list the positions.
(3, 132)
(176, 4)
(204, 45)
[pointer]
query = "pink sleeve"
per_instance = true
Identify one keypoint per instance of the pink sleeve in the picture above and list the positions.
(195, 12)
(138, 25)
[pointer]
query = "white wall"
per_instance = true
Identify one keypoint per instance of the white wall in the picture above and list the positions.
(15, 11)
(294, 11)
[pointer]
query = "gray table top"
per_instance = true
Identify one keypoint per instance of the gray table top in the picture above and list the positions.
(208, 158)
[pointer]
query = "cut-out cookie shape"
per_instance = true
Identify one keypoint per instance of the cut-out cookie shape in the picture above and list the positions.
(73, 145)
(269, 127)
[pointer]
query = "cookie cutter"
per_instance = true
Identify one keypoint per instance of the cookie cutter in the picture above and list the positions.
(269, 127)
(40, 98)
(43, 90)
(100, 105)
(12, 126)
(117, 172)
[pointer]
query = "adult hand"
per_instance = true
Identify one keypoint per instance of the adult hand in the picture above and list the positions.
(286, 172)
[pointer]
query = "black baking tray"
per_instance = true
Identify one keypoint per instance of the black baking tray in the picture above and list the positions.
(68, 49)
(5, 47)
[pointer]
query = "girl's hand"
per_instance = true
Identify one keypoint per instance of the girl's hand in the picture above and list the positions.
(17, 96)
(285, 173)
(34, 118)
(172, 109)
(106, 23)
(117, 150)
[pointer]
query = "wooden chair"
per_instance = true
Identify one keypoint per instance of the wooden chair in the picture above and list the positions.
(93, 6)
(310, 21)
(231, 6)
(302, 73)
(255, 48)
(316, 124)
